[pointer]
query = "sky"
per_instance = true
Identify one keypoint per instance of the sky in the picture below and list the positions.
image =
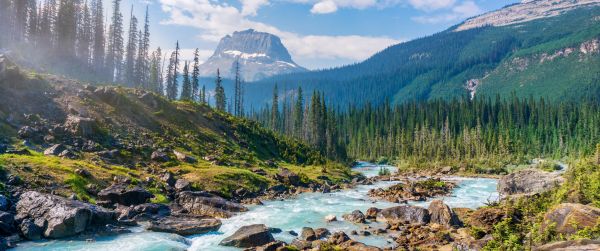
(318, 33)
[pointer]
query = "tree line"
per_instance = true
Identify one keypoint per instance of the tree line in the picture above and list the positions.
(442, 130)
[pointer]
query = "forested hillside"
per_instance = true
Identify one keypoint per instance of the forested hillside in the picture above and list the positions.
(483, 132)
(556, 58)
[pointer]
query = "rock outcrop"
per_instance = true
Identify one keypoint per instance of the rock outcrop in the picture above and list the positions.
(123, 195)
(206, 204)
(404, 214)
(356, 216)
(184, 225)
(51, 216)
(249, 236)
(574, 245)
(442, 214)
(528, 182)
(568, 218)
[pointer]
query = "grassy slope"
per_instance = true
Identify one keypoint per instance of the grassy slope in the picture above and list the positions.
(137, 127)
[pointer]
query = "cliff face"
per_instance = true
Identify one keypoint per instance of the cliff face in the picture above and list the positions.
(259, 54)
(525, 11)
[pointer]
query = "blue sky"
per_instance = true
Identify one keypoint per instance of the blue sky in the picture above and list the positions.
(318, 33)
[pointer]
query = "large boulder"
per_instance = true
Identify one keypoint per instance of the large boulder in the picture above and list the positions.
(123, 195)
(206, 204)
(80, 126)
(7, 221)
(159, 156)
(288, 177)
(356, 216)
(528, 182)
(249, 236)
(573, 245)
(404, 214)
(57, 217)
(184, 225)
(442, 214)
(568, 218)
(143, 212)
(308, 234)
(184, 157)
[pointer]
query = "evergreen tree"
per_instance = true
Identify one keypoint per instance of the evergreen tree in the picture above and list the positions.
(84, 34)
(155, 77)
(299, 114)
(33, 23)
(275, 109)
(186, 88)
(142, 62)
(196, 77)
(114, 57)
(98, 50)
(238, 92)
(66, 28)
(131, 51)
(220, 99)
(203, 95)
(172, 81)
(598, 154)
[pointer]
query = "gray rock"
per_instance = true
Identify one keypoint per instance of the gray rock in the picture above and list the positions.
(356, 216)
(308, 234)
(568, 218)
(272, 246)
(159, 156)
(184, 157)
(206, 204)
(404, 213)
(59, 217)
(185, 225)
(121, 194)
(32, 230)
(55, 150)
(80, 126)
(249, 236)
(288, 177)
(572, 245)
(4, 203)
(7, 221)
(338, 238)
(168, 178)
(182, 185)
(528, 182)
(442, 214)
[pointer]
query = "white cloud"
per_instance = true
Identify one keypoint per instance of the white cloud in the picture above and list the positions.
(250, 7)
(464, 10)
(216, 20)
(324, 7)
(429, 5)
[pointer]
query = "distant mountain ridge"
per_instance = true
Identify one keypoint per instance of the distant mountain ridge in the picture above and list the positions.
(259, 54)
(556, 57)
(525, 11)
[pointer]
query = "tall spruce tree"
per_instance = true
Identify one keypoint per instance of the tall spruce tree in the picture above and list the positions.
(99, 42)
(66, 29)
(186, 87)
(238, 92)
(114, 57)
(275, 108)
(299, 114)
(155, 77)
(196, 76)
(142, 62)
(220, 99)
(131, 50)
(84, 35)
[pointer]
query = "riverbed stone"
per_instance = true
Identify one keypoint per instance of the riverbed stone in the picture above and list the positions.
(249, 236)
(206, 204)
(442, 214)
(372, 213)
(184, 225)
(308, 234)
(58, 217)
(288, 177)
(356, 216)
(404, 213)
(572, 245)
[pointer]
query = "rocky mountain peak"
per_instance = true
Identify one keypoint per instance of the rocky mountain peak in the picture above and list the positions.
(525, 11)
(260, 55)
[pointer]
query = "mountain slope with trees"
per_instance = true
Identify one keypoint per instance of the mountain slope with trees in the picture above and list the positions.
(484, 61)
